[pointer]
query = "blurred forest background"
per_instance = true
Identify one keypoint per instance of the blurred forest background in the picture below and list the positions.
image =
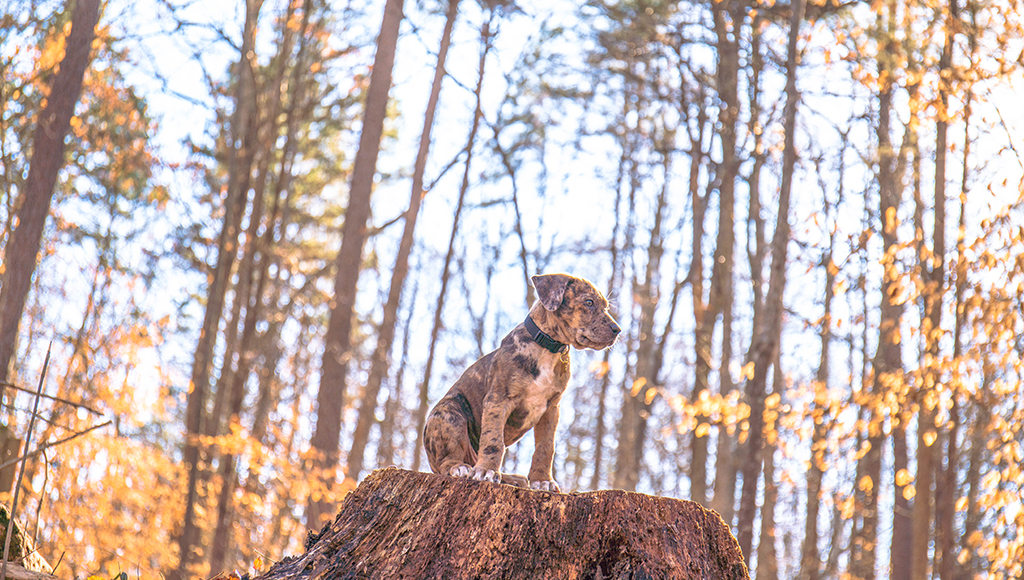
(278, 230)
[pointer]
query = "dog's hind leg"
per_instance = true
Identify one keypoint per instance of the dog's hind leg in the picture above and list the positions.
(446, 439)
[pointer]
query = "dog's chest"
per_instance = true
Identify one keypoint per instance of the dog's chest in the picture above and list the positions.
(536, 397)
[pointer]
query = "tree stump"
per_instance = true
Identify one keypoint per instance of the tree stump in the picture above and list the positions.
(401, 524)
(23, 550)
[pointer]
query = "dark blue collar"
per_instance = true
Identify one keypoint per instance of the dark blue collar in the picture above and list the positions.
(542, 339)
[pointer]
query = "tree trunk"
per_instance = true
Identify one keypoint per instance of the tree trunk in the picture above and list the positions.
(424, 395)
(726, 23)
(22, 249)
(887, 361)
(338, 340)
(767, 555)
(234, 206)
(764, 347)
(946, 504)
(933, 266)
(810, 559)
(386, 332)
(636, 403)
(401, 524)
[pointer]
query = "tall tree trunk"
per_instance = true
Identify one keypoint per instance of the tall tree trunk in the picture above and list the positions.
(887, 362)
(386, 332)
(726, 24)
(767, 556)
(52, 127)
(338, 340)
(424, 394)
(234, 207)
(390, 425)
(933, 265)
(810, 559)
(637, 401)
(946, 504)
(764, 347)
(254, 270)
(613, 284)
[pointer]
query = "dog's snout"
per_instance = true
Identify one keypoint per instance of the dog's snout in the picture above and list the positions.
(615, 329)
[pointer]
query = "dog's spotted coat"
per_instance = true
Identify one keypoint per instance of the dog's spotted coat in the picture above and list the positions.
(518, 387)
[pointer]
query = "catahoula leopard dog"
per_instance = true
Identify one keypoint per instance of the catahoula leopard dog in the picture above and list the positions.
(518, 386)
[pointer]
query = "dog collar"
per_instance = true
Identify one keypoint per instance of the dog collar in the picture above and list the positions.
(542, 339)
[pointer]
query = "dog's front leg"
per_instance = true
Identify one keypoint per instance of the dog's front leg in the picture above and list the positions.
(544, 453)
(492, 438)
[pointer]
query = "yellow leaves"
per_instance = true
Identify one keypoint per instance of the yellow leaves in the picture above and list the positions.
(903, 477)
(865, 484)
(52, 51)
(991, 480)
(650, 395)
(847, 507)
(929, 437)
(890, 220)
(637, 385)
(772, 401)
(909, 492)
(864, 448)
(599, 368)
(702, 430)
(961, 504)
(747, 372)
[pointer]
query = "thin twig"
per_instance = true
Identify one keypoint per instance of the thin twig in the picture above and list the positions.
(54, 444)
(21, 471)
(52, 398)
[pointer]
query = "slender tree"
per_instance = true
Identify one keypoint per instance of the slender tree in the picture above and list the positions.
(486, 41)
(766, 338)
(330, 398)
(239, 172)
(386, 331)
(727, 19)
(48, 148)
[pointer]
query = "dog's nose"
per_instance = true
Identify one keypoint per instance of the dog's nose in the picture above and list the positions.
(615, 328)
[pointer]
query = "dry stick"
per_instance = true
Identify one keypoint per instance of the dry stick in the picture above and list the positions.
(21, 471)
(52, 398)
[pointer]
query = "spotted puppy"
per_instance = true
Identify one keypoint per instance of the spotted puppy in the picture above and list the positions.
(518, 386)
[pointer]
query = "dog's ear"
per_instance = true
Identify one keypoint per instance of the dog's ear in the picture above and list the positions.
(551, 289)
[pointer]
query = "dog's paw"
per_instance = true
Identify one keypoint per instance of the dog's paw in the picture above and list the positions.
(481, 474)
(461, 471)
(545, 486)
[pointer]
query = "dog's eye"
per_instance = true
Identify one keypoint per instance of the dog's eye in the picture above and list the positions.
(589, 302)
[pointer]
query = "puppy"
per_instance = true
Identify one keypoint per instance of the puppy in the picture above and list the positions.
(518, 386)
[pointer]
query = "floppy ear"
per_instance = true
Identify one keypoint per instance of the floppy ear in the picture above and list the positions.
(551, 289)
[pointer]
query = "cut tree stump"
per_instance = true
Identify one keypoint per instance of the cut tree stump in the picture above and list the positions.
(402, 524)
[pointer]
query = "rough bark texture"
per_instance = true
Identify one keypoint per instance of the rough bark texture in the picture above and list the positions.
(404, 524)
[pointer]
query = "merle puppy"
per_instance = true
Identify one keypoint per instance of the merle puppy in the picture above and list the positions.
(518, 386)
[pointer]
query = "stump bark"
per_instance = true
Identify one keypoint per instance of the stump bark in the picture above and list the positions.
(405, 525)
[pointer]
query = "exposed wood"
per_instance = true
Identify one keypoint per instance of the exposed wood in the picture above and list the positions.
(25, 561)
(404, 524)
(16, 572)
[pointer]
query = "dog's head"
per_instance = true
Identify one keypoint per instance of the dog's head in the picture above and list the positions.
(577, 311)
